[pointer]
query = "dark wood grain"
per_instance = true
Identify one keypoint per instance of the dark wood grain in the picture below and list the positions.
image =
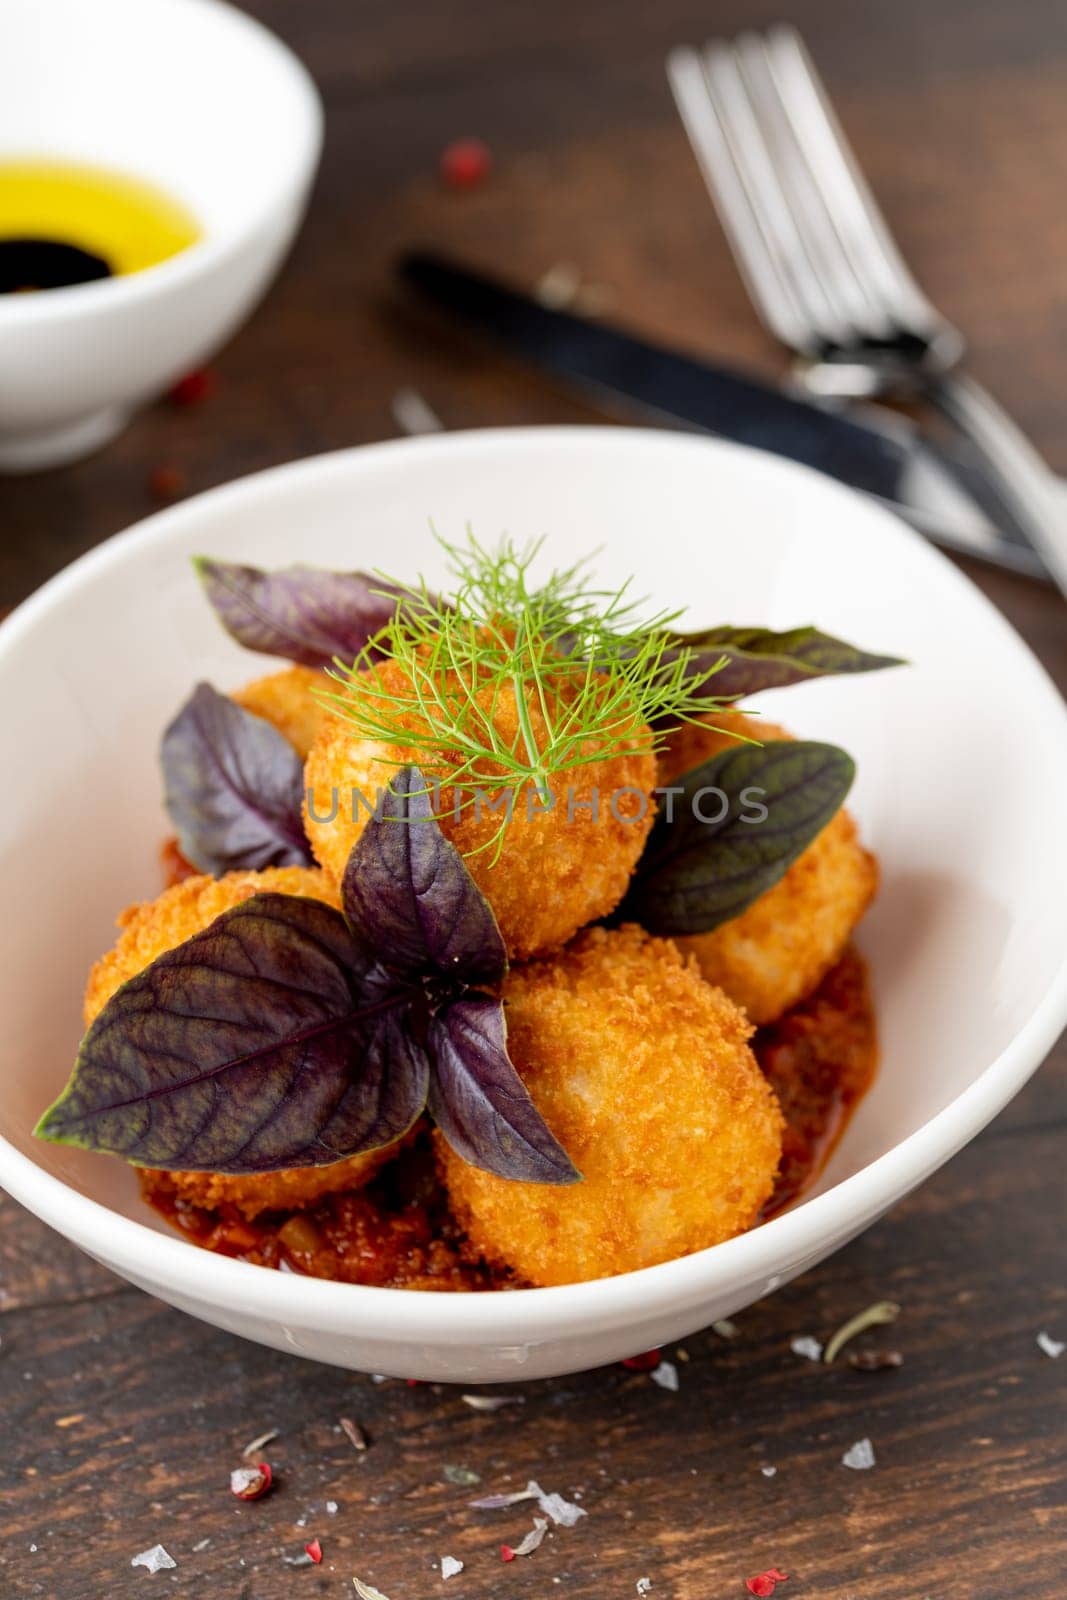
(120, 1419)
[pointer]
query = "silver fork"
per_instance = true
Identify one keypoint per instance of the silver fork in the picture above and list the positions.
(821, 265)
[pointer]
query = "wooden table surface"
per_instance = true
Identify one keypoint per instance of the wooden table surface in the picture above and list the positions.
(120, 1419)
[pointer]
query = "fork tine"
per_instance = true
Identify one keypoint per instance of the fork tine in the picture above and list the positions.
(850, 206)
(756, 170)
(757, 248)
(859, 311)
(768, 288)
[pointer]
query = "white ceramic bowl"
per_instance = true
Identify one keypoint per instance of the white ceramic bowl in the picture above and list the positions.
(962, 772)
(195, 97)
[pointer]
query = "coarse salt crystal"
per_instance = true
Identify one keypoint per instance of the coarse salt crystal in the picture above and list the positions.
(807, 1347)
(154, 1560)
(450, 1567)
(859, 1456)
(666, 1375)
(563, 1512)
(413, 414)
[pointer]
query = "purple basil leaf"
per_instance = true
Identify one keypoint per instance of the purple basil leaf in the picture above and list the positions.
(233, 787)
(480, 1103)
(407, 892)
(264, 1041)
(759, 658)
(694, 873)
(306, 614)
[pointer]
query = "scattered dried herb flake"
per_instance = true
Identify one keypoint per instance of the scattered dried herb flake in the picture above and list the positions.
(492, 1402)
(875, 1316)
(355, 1435)
(254, 1446)
(533, 1540)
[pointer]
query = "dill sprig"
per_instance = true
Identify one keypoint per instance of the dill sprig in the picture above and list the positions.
(596, 670)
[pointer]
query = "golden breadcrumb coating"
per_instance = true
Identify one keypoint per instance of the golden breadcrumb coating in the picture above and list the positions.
(644, 1073)
(558, 869)
(780, 949)
(288, 700)
(155, 926)
(289, 1189)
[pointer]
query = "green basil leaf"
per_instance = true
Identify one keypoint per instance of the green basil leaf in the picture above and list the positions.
(759, 658)
(267, 1040)
(710, 854)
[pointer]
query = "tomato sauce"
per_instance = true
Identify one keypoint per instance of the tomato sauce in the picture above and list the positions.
(398, 1233)
(821, 1058)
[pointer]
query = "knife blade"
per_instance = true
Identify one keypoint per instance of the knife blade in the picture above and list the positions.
(888, 461)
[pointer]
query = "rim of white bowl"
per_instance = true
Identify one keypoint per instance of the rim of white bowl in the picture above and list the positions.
(55, 305)
(525, 1317)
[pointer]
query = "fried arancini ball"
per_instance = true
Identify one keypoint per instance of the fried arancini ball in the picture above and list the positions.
(287, 699)
(558, 868)
(644, 1073)
(154, 926)
(158, 925)
(780, 949)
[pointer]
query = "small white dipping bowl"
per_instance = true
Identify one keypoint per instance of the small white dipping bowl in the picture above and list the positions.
(194, 97)
(962, 774)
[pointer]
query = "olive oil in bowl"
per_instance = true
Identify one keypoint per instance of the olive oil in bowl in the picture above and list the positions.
(63, 224)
